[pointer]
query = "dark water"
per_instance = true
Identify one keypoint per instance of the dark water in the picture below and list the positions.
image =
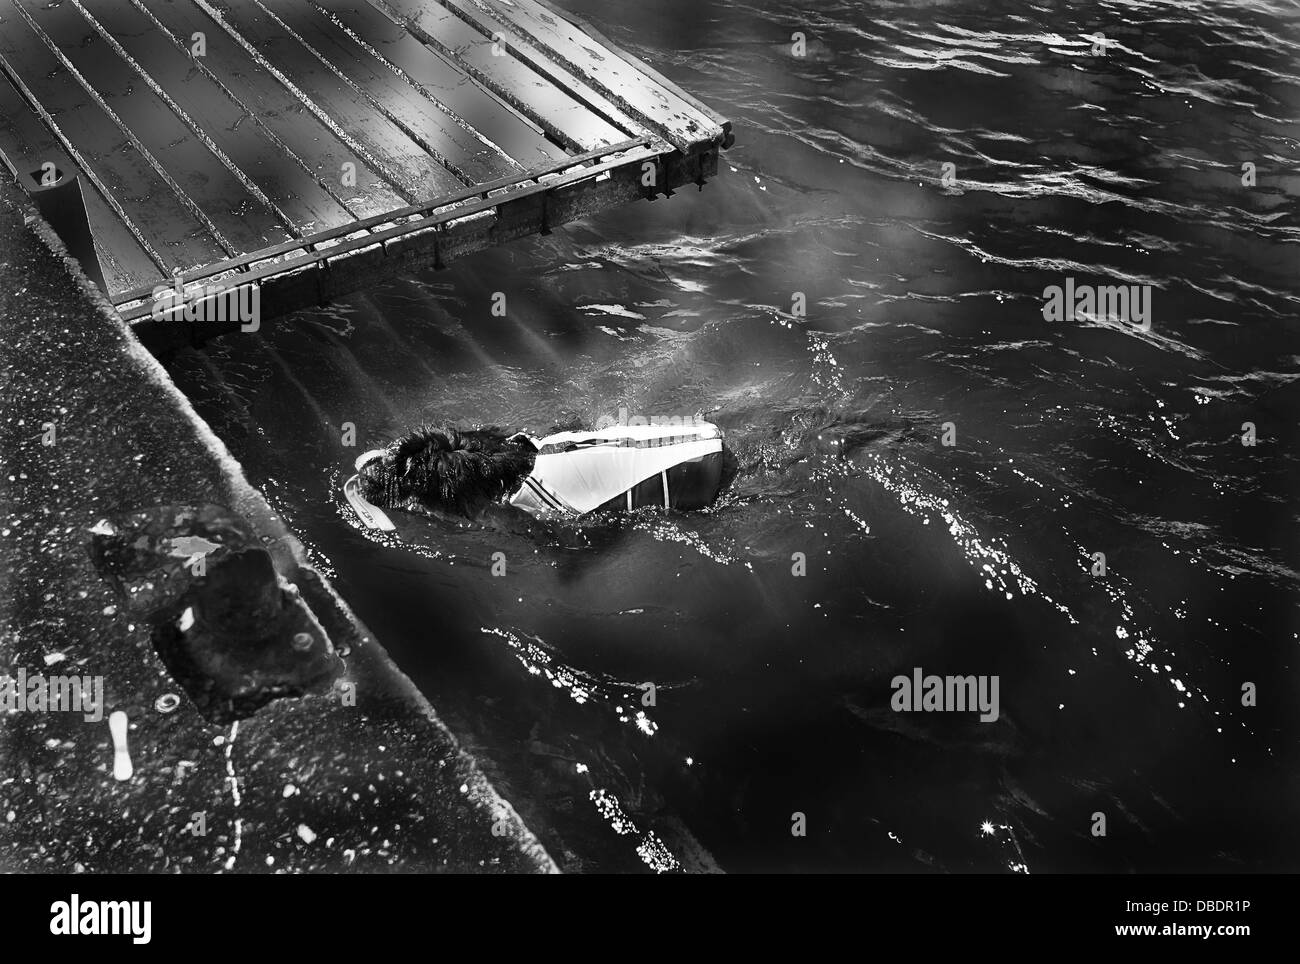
(1120, 694)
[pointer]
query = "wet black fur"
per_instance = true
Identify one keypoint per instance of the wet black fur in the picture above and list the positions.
(448, 469)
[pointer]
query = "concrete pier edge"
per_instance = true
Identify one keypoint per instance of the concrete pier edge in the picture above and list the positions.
(305, 784)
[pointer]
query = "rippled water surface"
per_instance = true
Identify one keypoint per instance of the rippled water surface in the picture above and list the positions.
(1120, 694)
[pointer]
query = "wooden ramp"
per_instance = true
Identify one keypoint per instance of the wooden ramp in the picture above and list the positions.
(303, 149)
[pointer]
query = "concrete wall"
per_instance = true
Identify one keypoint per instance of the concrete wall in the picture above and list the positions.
(360, 775)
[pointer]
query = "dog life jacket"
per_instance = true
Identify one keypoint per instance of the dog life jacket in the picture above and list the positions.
(623, 467)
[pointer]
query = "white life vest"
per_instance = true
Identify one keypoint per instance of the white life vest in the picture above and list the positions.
(576, 472)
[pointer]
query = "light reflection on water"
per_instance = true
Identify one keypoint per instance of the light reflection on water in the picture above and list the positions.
(1120, 694)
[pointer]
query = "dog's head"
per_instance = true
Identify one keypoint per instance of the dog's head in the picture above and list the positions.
(445, 468)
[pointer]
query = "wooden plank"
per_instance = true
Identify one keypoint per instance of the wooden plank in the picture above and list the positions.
(586, 27)
(456, 43)
(256, 90)
(472, 31)
(238, 136)
(521, 134)
(385, 145)
(682, 124)
(27, 143)
(241, 219)
(442, 81)
(458, 147)
(101, 149)
(462, 145)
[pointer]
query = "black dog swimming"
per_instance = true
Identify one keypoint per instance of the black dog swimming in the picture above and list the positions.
(680, 465)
